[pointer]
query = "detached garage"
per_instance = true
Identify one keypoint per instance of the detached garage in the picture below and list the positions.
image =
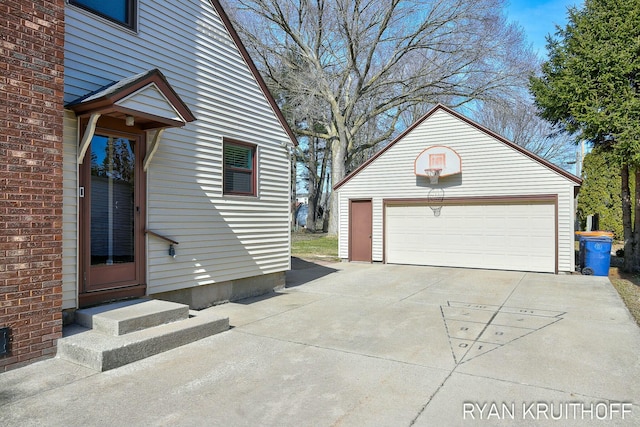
(449, 192)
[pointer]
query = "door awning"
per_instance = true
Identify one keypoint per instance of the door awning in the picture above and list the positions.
(146, 99)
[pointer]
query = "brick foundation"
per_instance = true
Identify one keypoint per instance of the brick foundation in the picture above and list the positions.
(31, 113)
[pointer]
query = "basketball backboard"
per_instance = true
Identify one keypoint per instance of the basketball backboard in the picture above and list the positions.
(438, 157)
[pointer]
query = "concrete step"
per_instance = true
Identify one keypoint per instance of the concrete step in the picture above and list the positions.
(103, 351)
(123, 317)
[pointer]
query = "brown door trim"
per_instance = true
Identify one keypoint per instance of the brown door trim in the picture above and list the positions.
(99, 297)
(361, 230)
(109, 286)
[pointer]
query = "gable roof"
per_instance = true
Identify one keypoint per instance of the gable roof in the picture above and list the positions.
(438, 107)
(108, 95)
(116, 99)
(254, 70)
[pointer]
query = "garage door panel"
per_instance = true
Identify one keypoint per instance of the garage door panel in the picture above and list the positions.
(510, 237)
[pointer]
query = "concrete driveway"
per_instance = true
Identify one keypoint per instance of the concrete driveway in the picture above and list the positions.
(371, 345)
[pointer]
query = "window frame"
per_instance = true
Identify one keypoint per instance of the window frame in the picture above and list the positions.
(132, 11)
(254, 168)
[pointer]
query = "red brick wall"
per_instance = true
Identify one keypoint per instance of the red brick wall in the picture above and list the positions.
(31, 113)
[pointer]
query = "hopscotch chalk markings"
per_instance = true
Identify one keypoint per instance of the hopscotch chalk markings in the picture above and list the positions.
(476, 329)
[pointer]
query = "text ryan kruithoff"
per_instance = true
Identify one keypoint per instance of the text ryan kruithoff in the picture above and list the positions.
(546, 410)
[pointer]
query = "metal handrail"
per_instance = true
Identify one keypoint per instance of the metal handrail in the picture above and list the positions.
(153, 233)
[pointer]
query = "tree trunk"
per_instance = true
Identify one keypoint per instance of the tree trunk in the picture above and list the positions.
(312, 205)
(635, 261)
(326, 200)
(338, 171)
(626, 219)
(318, 186)
(312, 202)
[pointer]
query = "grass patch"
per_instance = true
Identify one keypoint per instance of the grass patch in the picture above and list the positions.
(310, 245)
(628, 287)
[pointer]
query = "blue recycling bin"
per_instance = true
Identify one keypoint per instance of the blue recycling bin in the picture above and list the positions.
(595, 255)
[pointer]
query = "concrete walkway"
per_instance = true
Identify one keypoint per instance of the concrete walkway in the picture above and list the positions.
(371, 345)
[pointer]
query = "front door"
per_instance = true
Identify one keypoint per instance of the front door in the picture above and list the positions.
(360, 230)
(112, 229)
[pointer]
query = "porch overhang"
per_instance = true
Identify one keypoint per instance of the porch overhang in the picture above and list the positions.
(146, 100)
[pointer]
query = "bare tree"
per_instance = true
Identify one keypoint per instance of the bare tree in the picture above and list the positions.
(519, 121)
(359, 64)
(314, 154)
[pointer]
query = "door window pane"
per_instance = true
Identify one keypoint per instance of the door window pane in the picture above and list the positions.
(112, 200)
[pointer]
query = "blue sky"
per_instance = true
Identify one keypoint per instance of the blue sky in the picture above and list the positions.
(539, 18)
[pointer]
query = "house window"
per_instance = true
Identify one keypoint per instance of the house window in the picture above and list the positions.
(239, 168)
(119, 11)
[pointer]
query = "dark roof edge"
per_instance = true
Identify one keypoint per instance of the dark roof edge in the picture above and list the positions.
(476, 125)
(254, 70)
(117, 90)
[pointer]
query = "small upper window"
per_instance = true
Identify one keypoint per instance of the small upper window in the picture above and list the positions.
(239, 168)
(120, 11)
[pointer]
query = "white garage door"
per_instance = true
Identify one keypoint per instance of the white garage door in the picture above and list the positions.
(494, 236)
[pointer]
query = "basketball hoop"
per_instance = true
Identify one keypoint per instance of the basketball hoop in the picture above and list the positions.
(433, 175)
(435, 198)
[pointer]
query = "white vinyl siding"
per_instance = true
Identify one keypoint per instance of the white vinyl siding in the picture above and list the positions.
(495, 236)
(489, 168)
(220, 237)
(69, 211)
(150, 100)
